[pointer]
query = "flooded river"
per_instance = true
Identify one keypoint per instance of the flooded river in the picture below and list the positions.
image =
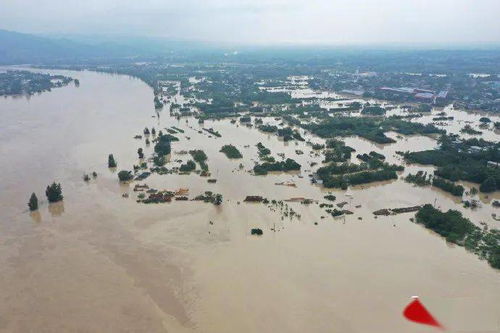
(100, 262)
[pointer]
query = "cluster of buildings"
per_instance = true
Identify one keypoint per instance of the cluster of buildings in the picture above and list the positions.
(426, 95)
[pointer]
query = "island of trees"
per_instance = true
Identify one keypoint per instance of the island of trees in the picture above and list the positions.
(287, 165)
(231, 151)
(460, 230)
(29, 83)
(341, 175)
(200, 157)
(372, 129)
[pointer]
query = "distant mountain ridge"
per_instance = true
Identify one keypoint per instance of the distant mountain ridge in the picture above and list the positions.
(20, 48)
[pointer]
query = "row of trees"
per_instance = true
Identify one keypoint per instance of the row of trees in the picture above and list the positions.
(460, 230)
(287, 165)
(456, 190)
(363, 177)
(421, 178)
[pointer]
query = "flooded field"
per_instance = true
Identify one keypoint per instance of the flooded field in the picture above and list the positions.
(101, 262)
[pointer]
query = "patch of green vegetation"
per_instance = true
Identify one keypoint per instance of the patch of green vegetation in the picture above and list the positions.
(337, 175)
(287, 165)
(467, 129)
(296, 135)
(231, 151)
(362, 177)
(256, 231)
(335, 212)
(420, 178)
(54, 192)
(125, 175)
(376, 155)
(268, 128)
(188, 166)
(162, 146)
(341, 169)
(33, 202)
(200, 157)
(29, 83)
(490, 184)
(177, 129)
(372, 155)
(373, 110)
(337, 151)
(158, 103)
(263, 151)
(463, 160)
(330, 197)
(210, 197)
(285, 133)
(367, 128)
(159, 160)
(213, 132)
(461, 231)
(424, 108)
(456, 190)
(111, 161)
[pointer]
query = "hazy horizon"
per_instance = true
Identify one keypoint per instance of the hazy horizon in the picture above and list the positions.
(292, 22)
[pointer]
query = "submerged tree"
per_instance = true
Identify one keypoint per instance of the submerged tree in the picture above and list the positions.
(125, 175)
(489, 185)
(33, 203)
(162, 147)
(54, 192)
(158, 103)
(159, 160)
(218, 199)
(188, 166)
(140, 153)
(257, 232)
(111, 161)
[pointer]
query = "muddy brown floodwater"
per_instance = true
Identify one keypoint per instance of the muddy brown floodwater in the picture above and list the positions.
(98, 262)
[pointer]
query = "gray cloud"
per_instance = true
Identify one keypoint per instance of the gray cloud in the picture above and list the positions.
(263, 21)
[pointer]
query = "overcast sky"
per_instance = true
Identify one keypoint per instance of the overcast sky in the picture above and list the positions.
(263, 21)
